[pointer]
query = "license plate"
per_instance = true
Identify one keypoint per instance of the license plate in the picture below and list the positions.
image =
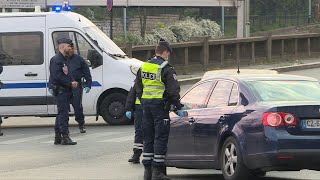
(311, 123)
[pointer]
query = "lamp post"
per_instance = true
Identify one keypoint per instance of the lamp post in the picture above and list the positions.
(247, 23)
(309, 13)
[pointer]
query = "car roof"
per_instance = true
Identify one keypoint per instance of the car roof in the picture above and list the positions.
(268, 75)
(233, 72)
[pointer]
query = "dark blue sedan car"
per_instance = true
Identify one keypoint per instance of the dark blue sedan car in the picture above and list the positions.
(248, 124)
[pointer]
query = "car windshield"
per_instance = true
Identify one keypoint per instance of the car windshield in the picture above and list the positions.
(286, 90)
(103, 40)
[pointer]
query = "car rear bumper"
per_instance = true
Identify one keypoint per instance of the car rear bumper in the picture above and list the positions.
(285, 160)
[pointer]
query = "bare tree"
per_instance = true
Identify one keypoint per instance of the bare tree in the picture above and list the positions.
(143, 20)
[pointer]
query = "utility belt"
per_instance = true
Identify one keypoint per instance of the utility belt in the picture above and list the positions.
(56, 89)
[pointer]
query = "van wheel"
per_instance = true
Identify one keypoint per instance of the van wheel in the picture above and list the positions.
(112, 109)
(232, 164)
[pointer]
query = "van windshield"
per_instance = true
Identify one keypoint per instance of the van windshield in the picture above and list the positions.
(103, 40)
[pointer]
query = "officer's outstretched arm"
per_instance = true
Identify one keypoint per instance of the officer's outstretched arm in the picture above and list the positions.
(172, 87)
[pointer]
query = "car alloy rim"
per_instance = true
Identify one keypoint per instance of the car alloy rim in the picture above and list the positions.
(230, 159)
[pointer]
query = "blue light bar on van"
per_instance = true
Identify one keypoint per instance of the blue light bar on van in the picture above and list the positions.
(57, 8)
(68, 8)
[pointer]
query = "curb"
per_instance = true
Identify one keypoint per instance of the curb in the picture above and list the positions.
(194, 80)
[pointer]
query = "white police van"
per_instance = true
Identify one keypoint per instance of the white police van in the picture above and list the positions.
(27, 43)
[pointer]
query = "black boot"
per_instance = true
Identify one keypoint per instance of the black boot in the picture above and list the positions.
(82, 129)
(57, 139)
(164, 170)
(147, 173)
(66, 140)
(135, 159)
(157, 174)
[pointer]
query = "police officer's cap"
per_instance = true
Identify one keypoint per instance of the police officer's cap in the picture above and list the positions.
(65, 41)
(164, 43)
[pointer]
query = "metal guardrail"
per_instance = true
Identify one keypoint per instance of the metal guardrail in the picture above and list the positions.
(206, 54)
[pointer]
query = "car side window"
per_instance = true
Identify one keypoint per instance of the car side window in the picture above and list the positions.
(23, 48)
(220, 95)
(196, 97)
(81, 47)
(234, 97)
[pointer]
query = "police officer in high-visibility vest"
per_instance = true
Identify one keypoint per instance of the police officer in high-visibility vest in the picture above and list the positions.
(158, 88)
(133, 106)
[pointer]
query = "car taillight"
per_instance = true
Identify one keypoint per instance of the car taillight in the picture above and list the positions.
(276, 119)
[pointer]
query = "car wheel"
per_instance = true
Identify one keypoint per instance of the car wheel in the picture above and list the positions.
(232, 165)
(112, 109)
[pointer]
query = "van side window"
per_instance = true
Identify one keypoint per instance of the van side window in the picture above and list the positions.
(21, 48)
(82, 47)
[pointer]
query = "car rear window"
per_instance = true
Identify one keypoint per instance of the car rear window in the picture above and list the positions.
(286, 90)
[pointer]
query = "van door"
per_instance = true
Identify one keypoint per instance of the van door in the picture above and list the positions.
(22, 55)
(87, 50)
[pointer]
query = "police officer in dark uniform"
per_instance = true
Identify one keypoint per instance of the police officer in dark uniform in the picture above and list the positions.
(62, 83)
(133, 106)
(158, 88)
(79, 69)
(1, 69)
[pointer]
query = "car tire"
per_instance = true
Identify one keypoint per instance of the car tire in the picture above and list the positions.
(112, 109)
(232, 165)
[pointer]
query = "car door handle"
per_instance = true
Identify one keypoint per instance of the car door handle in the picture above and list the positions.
(31, 74)
(191, 120)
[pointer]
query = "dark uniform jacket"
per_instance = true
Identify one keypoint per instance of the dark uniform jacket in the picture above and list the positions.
(79, 69)
(131, 99)
(1, 68)
(60, 74)
(172, 87)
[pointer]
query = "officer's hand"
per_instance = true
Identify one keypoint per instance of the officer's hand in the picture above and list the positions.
(182, 113)
(74, 84)
(50, 91)
(128, 114)
(86, 89)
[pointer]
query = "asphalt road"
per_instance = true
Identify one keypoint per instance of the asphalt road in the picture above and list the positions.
(27, 152)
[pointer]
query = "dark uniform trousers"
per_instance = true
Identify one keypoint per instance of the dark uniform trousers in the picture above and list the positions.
(63, 105)
(138, 137)
(156, 127)
(77, 104)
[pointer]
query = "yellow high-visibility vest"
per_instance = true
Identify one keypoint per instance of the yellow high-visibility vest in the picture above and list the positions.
(137, 101)
(153, 87)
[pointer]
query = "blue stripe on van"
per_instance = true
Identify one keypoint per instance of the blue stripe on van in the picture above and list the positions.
(36, 85)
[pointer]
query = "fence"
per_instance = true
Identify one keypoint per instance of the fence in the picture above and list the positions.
(206, 54)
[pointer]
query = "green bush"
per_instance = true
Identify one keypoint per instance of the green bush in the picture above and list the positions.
(133, 38)
(180, 31)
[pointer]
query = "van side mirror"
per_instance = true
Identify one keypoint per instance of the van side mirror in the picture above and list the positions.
(95, 58)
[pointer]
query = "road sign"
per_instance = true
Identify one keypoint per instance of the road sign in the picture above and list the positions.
(22, 3)
(109, 4)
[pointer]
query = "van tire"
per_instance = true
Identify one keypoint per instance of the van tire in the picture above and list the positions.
(112, 109)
